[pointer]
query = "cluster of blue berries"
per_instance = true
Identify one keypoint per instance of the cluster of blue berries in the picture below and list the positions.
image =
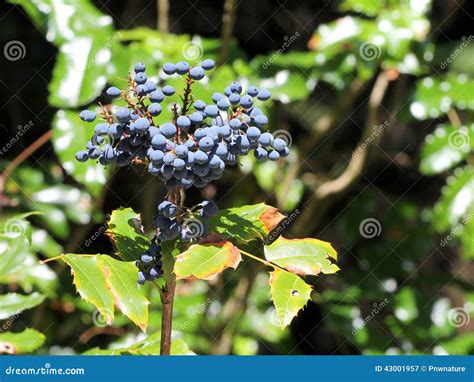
(186, 225)
(173, 223)
(201, 140)
(150, 264)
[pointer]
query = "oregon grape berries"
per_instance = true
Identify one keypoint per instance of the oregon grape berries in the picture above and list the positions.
(150, 265)
(200, 140)
(192, 146)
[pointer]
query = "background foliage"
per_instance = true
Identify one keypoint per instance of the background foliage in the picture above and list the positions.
(376, 99)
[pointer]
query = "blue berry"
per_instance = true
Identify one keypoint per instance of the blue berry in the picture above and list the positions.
(211, 111)
(155, 109)
(197, 73)
(87, 115)
(82, 156)
(183, 122)
(140, 78)
(246, 102)
(196, 117)
(273, 155)
(168, 90)
(113, 92)
(234, 98)
(279, 144)
(236, 87)
(208, 64)
(139, 67)
(266, 139)
(182, 67)
(168, 130)
(199, 105)
(169, 68)
(263, 95)
(157, 96)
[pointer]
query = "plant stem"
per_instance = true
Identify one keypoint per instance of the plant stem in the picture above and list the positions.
(167, 295)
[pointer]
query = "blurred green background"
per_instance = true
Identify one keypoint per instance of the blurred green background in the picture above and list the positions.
(377, 101)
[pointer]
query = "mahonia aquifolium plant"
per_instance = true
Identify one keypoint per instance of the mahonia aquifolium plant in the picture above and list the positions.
(192, 149)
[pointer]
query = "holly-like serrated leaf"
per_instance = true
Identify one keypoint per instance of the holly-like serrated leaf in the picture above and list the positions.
(246, 223)
(126, 232)
(302, 256)
(289, 294)
(205, 261)
(13, 303)
(108, 284)
(24, 342)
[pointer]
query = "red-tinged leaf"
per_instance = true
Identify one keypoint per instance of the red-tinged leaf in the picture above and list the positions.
(205, 261)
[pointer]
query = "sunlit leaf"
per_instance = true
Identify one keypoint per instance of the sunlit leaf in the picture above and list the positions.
(289, 294)
(205, 261)
(126, 233)
(109, 284)
(24, 342)
(15, 303)
(302, 256)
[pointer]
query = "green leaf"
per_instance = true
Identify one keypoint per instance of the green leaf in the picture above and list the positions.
(149, 346)
(435, 96)
(457, 199)
(126, 233)
(14, 303)
(289, 294)
(245, 223)
(24, 342)
(79, 74)
(205, 261)
(70, 135)
(446, 147)
(13, 252)
(109, 284)
(302, 256)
